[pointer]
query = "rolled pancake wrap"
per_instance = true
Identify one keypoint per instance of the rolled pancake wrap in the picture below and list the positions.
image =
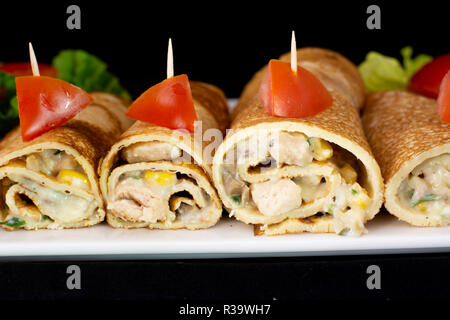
(314, 174)
(51, 182)
(335, 72)
(159, 178)
(412, 147)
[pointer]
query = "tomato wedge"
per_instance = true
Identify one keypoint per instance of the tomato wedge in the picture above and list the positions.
(24, 69)
(443, 100)
(428, 79)
(167, 104)
(289, 94)
(46, 103)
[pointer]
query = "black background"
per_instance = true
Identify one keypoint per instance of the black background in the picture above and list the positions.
(223, 43)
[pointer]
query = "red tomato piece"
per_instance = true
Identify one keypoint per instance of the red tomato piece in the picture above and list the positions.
(289, 94)
(46, 103)
(167, 104)
(444, 99)
(427, 80)
(24, 69)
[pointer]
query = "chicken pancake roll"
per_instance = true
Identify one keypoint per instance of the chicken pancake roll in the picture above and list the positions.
(412, 146)
(291, 175)
(51, 181)
(159, 178)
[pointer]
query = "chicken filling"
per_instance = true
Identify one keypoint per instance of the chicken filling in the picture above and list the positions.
(29, 203)
(263, 177)
(158, 196)
(427, 188)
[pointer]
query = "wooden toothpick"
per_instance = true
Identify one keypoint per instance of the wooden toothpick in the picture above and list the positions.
(170, 60)
(34, 64)
(293, 53)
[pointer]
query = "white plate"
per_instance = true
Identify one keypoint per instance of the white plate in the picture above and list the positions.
(229, 238)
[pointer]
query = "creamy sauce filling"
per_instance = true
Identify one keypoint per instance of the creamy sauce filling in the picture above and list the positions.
(31, 204)
(427, 188)
(44, 204)
(138, 198)
(51, 162)
(280, 195)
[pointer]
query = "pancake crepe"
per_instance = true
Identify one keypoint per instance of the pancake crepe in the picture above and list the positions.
(159, 178)
(51, 182)
(290, 175)
(412, 147)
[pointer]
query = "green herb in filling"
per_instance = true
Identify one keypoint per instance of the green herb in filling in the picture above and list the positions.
(14, 223)
(410, 193)
(237, 198)
(427, 197)
(331, 208)
(344, 232)
(44, 217)
(354, 192)
(57, 152)
(309, 140)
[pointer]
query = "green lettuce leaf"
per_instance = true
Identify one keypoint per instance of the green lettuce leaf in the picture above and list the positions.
(87, 72)
(413, 65)
(381, 72)
(9, 112)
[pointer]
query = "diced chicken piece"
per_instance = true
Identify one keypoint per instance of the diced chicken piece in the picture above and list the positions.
(133, 201)
(51, 162)
(67, 162)
(34, 163)
(290, 148)
(312, 187)
(253, 150)
(276, 196)
(150, 151)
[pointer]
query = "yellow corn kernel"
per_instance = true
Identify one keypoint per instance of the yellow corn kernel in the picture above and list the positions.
(160, 179)
(422, 206)
(361, 203)
(321, 149)
(73, 177)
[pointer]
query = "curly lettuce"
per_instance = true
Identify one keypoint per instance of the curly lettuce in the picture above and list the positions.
(382, 72)
(87, 72)
(9, 112)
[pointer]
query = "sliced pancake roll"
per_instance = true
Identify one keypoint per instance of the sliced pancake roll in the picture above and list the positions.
(159, 178)
(51, 182)
(290, 175)
(412, 147)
